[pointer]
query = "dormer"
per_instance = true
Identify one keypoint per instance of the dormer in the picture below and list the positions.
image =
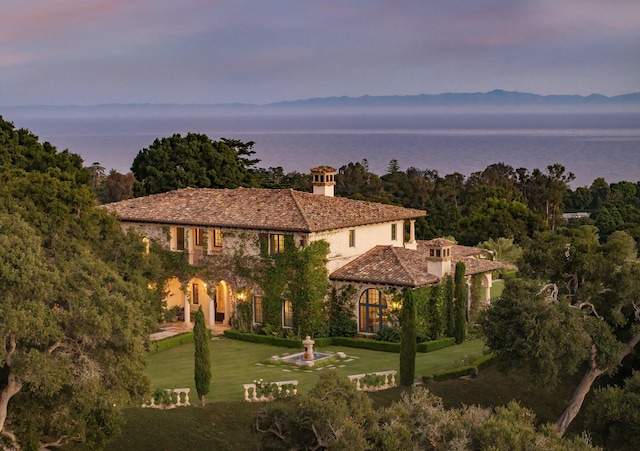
(323, 180)
(439, 256)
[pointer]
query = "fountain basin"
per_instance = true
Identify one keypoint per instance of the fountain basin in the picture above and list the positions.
(299, 358)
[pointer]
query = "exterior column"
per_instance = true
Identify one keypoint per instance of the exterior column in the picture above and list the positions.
(487, 287)
(227, 313)
(190, 237)
(412, 243)
(187, 309)
(209, 232)
(212, 311)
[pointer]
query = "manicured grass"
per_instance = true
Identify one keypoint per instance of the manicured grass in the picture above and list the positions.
(229, 425)
(496, 288)
(226, 422)
(234, 363)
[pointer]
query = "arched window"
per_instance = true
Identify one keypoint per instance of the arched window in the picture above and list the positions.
(373, 311)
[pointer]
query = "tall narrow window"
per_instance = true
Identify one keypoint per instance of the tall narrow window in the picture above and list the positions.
(287, 314)
(199, 234)
(352, 238)
(180, 238)
(195, 294)
(217, 238)
(257, 309)
(394, 232)
(276, 244)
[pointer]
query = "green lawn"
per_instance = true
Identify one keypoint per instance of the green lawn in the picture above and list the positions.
(225, 423)
(496, 288)
(235, 362)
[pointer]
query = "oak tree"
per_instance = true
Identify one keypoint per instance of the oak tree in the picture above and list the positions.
(579, 310)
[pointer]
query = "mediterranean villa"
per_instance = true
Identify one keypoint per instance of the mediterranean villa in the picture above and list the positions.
(367, 244)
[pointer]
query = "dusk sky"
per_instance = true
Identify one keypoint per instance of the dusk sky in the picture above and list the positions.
(87, 52)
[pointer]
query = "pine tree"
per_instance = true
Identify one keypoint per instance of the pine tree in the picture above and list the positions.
(202, 369)
(408, 340)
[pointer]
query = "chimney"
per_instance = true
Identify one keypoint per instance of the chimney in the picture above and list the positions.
(323, 180)
(439, 256)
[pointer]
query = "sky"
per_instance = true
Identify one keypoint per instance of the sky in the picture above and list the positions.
(88, 52)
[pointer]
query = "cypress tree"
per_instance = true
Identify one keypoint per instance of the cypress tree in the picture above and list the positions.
(408, 339)
(460, 302)
(202, 367)
(449, 306)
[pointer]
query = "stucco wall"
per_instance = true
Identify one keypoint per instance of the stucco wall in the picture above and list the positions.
(367, 237)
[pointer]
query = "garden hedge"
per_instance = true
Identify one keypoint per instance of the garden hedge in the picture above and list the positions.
(461, 371)
(362, 343)
(434, 345)
(171, 342)
(374, 345)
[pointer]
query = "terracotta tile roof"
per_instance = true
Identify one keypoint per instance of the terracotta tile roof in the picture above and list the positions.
(476, 265)
(465, 251)
(441, 242)
(388, 265)
(257, 208)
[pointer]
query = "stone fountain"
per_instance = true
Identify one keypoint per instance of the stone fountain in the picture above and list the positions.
(307, 357)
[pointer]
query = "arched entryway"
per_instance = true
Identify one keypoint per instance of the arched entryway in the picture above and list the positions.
(221, 303)
(197, 296)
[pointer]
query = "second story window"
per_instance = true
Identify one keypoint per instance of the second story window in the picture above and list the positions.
(217, 238)
(180, 238)
(276, 244)
(394, 232)
(352, 238)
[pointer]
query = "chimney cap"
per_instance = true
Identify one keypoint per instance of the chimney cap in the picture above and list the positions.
(323, 169)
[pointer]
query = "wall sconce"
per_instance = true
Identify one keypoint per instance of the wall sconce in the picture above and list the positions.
(241, 295)
(396, 305)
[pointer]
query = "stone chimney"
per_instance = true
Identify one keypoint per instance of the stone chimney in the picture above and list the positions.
(323, 180)
(439, 256)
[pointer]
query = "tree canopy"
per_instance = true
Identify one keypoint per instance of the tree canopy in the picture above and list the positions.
(193, 161)
(334, 415)
(579, 307)
(75, 307)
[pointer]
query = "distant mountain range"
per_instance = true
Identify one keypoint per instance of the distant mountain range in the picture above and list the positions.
(494, 100)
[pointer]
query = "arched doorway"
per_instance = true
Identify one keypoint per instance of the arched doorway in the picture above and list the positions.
(221, 303)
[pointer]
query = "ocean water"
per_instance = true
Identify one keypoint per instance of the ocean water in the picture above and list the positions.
(589, 145)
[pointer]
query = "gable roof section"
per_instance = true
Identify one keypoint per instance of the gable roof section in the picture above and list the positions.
(257, 208)
(388, 265)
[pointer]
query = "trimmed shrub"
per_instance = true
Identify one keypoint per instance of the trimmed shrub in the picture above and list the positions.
(265, 339)
(171, 342)
(390, 334)
(461, 371)
(367, 344)
(434, 345)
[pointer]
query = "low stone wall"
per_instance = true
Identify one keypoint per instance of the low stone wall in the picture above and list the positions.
(268, 391)
(179, 397)
(380, 380)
